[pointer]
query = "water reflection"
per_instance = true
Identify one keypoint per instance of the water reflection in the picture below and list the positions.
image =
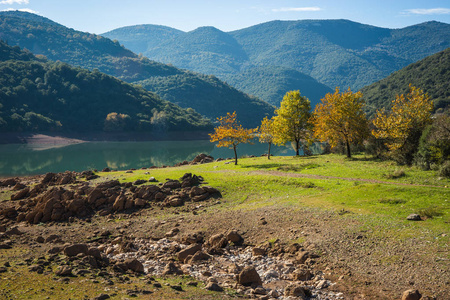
(26, 159)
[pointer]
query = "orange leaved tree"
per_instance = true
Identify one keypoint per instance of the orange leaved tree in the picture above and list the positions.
(340, 118)
(401, 128)
(230, 133)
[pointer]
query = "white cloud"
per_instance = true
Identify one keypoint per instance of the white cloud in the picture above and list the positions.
(428, 11)
(14, 2)
(22, 9)
(296, 9)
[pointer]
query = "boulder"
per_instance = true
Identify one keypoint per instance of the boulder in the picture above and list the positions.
(171, 269)
(302, 256)
(295, 290)
(414, 217)
(196, 191)
(301, 275)
(234, 237)
(411, 295)
(134, 265)
(139, 182)
(21, 194)
(8, 182)
(172, 185)
(48, 178)
(258, 251)
(174, 201)
(19, 186)
(217, 241)
(138, 202)
(74, 250)
(64, 271)
(212, 286)
(249, 277)
(198, 256)
(119, 203)
(190, 250)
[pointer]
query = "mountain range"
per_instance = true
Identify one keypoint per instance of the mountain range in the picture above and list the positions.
(206, 94)
(313, 54)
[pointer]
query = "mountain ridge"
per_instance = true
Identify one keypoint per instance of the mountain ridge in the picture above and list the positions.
(334, 52)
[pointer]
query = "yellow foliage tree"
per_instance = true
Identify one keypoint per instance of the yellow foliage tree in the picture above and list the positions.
(400, 129)
(230, 133)
(340, 118)
(267, 132)
(291, 122)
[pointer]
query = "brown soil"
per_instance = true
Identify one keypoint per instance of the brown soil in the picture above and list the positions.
(362, 265)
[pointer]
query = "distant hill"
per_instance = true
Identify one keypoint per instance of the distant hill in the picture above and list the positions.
(177, 87)
(432, 74)
(57, 42)
(271, 83)
(334, 52)
(39, 95)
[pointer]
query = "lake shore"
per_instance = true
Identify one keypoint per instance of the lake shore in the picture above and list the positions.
(59, 138)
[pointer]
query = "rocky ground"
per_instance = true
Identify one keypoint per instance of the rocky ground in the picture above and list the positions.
(79, 226)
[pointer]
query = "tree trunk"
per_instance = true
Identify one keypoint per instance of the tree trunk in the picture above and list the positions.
(268, 156)
(235, 155)
(349, 154)
(297, 145)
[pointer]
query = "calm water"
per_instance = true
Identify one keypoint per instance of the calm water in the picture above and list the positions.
(16, 160)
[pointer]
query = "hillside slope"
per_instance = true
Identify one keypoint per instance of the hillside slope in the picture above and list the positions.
(432, 74)
(39, 95)
(57, 42)
(334, 52)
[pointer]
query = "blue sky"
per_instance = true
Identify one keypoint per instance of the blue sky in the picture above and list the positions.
(98, 16)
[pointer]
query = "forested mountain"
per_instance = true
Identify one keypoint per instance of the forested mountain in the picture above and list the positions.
(334, 52)
(432, 74)
(271, 83)
(39, 95)
(44, 37)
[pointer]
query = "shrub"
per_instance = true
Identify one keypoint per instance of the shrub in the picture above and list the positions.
(444, 171)
(430, 212)
(396, 174)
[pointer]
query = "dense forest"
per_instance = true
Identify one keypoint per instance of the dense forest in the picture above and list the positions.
(432, 74)
(37, 95)
(56, 42)
(214, 96)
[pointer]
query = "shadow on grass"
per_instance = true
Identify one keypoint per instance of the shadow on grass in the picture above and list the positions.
(265, 166)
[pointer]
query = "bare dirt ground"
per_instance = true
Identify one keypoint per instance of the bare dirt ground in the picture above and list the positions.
(362, 265)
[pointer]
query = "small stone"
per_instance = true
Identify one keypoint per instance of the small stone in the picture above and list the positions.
(414, 217)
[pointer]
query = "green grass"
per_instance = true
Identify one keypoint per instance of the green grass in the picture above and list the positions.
(332, 182)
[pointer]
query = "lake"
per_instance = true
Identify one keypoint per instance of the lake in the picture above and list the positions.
(29, 159)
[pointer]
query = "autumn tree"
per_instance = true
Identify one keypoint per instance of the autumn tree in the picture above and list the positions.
(267, 132)
(230, 133)
(340, 118)
(402, 126)
(292, 120)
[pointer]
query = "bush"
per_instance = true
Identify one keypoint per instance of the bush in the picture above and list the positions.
(444, 171)
(396, 174)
